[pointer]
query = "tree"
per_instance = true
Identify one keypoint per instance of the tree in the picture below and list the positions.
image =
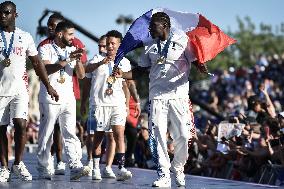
(124, 20)
(251, 43)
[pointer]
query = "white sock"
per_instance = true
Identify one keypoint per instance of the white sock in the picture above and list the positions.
(96, 163)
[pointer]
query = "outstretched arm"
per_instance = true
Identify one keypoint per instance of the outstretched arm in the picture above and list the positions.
(92, 67)
(132, 74)
(80, 70)
(270, 106)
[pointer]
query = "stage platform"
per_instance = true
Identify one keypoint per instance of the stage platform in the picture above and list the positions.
(142, 179)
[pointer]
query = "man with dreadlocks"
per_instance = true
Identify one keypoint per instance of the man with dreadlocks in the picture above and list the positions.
(169, 60)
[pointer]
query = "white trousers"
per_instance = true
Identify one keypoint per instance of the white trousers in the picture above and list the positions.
(66, 115)
(178, 112)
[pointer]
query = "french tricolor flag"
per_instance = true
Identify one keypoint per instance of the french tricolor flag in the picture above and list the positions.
(206, 38)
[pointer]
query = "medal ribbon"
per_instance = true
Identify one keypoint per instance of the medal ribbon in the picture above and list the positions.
(7, 51)
(164, 52)
(110, 73)
(62, 70)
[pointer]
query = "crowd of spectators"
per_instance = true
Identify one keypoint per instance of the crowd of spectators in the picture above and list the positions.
(252, 97)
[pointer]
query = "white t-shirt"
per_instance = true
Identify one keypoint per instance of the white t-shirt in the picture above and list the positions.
(12, 77)
(170, 79)
(99, 84)
(64, 90)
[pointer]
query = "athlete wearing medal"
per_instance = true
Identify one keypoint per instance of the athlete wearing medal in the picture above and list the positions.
(61, 59)
(169, 62)
(108, 102)
(16, 45)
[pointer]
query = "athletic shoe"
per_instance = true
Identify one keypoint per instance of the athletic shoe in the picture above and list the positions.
(108, 173)
(60, 168)
(179, 177)
(20, 172)
(51, 165)
(96, 174)
(78, 172)
(4, 174)
(123, 174)
(163, 181)
(90, 164)
(44, 172)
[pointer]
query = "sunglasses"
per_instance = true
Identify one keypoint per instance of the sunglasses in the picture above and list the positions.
(7, 12)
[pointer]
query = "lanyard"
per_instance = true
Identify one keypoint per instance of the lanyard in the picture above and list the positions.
(109, 68)
(7, 51)
(164, 52)
(59, 58)
(57, 52)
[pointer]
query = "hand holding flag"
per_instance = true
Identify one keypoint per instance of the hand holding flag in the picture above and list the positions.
(206, 38)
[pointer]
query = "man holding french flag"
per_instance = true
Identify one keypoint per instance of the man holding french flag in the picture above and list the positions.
(172, 40)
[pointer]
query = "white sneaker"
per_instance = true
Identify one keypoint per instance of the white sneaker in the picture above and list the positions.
(20, 172)
(44, 172)
(96, 174)
(78, 172)
(108, 173)
(90, 164)
(179, 177)
(123, 174)
(51, 166)
(163, 181)
(4, 174)
(60, 168)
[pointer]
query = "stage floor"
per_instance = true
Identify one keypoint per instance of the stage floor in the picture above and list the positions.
(141, 179)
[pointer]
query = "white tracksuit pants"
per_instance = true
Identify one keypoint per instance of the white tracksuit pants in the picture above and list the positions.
(66, 115)
(178, 112)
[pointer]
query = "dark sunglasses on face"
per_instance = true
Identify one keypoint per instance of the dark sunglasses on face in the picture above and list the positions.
(7, 12)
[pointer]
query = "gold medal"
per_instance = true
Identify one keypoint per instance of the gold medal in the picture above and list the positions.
(110, 79)
(109, 91)
(61, 80)
(160, 60)
(6, 62)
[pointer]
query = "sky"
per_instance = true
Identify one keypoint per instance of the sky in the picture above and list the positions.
(98, 16)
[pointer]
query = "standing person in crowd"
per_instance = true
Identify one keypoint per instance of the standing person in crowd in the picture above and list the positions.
(110, 147)
(131, 123)
(61, 60)
(168, 97)
(108, 103)
(16, 46)
(56, 148)
(263, 109)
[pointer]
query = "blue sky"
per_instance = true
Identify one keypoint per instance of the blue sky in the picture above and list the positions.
(98, 16)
